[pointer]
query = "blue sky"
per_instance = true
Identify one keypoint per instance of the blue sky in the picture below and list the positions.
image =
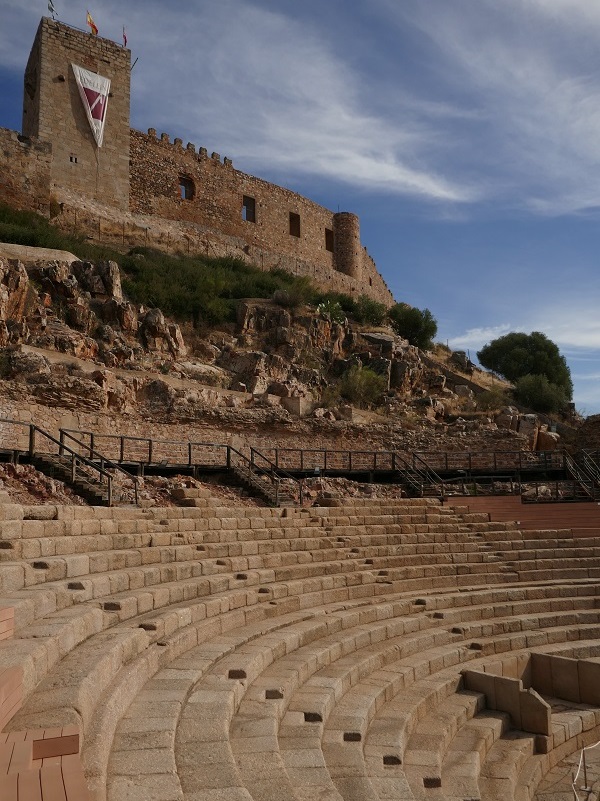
(465, 133)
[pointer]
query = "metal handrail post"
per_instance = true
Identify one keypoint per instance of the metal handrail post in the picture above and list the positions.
(31, 440)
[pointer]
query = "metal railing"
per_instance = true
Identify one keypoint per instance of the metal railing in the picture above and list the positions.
(581, 476)
(277, 473)
(418, 470)
(418, 475)
(125, 449)
(482, 485)
(94, 456)
(324, 460)
(252, 469)
(79, 465)
(588, 460)
(492, 460)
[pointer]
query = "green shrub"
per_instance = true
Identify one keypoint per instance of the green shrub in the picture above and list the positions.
(345, 301)
(331, 310)
(536, 392)
(369, 311)
(362, 386)
(492, 399)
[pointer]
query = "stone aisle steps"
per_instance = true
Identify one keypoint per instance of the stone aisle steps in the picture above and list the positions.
(237, 657)
(352, 715)
(310, 604)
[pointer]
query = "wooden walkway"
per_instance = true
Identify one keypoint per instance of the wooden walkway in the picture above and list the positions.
(583, 518)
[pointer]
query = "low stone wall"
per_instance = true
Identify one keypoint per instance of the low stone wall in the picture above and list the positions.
(515, 687)
(527, 710)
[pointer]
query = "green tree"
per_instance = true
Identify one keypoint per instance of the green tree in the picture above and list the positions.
(536, 392)
(517, 355)
(416, 325)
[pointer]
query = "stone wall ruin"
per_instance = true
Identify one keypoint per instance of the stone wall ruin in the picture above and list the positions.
(140, 189)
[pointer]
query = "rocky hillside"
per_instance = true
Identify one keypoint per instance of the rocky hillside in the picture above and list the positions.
(72, 341)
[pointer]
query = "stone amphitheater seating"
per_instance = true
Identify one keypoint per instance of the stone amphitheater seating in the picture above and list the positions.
(223, 654)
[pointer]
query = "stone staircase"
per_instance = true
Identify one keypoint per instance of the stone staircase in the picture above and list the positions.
(84, 485)
(261, 486)
(258, 653)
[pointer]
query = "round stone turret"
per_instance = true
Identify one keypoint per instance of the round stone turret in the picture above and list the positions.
(348, 250)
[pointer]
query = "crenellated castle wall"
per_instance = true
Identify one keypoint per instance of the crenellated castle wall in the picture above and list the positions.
(142, 189)
(273, 226)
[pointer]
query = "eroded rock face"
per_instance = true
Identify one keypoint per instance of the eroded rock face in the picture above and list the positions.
(24, 363)
(120, 314)
(14, 290)
(277, 357)
(159, 336)
(70, 392)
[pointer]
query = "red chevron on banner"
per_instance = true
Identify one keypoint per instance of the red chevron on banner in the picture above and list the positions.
(96, 102)
(93, 90)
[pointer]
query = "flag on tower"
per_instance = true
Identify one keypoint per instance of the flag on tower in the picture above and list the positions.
(92, 24)
(51, 9)
(94, 91)
(124, 37)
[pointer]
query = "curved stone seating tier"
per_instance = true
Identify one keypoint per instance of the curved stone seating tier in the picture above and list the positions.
(223, 653)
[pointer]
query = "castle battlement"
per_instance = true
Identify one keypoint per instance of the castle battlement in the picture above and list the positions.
(200, 197)
(177, 143)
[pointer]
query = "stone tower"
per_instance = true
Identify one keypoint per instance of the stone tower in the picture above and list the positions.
(53, 112)
(348, 250)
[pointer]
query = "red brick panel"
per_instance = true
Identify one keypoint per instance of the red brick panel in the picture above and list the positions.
(11, 693)
(7, 622)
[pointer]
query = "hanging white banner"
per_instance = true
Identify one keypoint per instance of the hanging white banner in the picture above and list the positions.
(94, 91)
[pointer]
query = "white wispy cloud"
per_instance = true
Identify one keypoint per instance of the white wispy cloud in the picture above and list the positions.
(526, 66)
(272, 91)
(264, 88)
(475, 338)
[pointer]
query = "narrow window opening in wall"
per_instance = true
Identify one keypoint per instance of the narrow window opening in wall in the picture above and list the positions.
(329, 239)
(294, 224)
(73, 158)
(248, 209)
(370, 282)
(186, 188)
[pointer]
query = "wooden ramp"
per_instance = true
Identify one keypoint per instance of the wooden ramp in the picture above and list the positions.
(583, 518)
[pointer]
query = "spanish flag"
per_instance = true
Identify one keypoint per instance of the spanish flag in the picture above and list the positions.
(92, 24)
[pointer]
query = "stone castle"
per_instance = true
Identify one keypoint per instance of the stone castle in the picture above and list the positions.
(138, 188)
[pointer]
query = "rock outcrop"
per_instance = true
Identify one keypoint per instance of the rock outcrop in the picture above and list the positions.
(73, 339)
